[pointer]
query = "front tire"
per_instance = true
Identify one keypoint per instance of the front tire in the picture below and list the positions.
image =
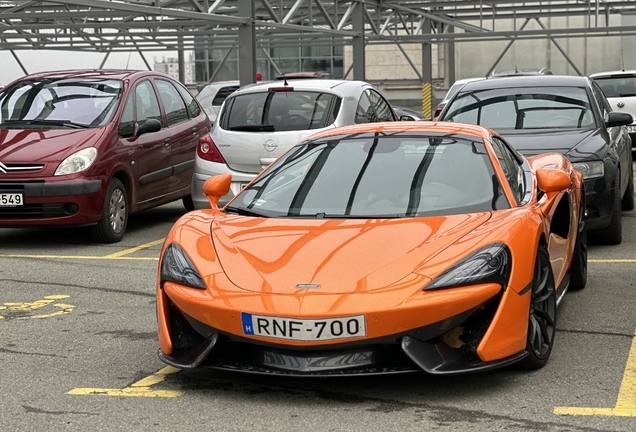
(188, 204)
(627, 203)
(613, 233)
(578, 269)
(542, 316)
(114, 220)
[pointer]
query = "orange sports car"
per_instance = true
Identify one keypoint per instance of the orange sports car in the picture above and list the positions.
(377, 248)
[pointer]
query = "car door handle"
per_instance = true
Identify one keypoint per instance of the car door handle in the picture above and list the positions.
(194, 129)
(166, 141)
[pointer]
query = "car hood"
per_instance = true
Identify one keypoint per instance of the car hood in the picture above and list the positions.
(331, 256)
(538, 141)
(42, 146)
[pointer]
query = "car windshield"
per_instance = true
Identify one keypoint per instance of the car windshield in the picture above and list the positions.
(375, 175)
(617, 86)
(280, 111)
(523, 108)
(68, 102)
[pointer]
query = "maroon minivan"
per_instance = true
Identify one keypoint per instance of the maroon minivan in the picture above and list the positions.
(90, 147)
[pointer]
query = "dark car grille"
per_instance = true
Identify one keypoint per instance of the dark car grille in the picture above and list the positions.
(38, 211)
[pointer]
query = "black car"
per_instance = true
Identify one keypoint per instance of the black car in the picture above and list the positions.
(565, 114)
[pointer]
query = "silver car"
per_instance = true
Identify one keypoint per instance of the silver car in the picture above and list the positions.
(259, 123)
(619, 87)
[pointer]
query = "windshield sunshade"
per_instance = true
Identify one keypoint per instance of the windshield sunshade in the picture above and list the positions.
(376, 176)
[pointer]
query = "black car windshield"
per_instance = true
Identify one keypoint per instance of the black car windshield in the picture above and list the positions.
(280, 111)
(376, 175)
(68, 102)
(523, 108)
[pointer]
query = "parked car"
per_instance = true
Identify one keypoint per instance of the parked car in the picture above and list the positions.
(568, 114)
(619, 87)
(452, 91)
(408, 114)
(89, 147)
(259, 123)
(211, 96)
(362, 251)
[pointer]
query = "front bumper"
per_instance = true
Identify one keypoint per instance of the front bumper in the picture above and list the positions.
(447, 346)
(53, 203)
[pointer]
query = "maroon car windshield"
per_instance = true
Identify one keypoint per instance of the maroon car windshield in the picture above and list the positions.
(68, 102)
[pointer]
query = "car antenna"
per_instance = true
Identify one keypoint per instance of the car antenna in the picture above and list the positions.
(622, 61)
(285, 83)
(516, 70)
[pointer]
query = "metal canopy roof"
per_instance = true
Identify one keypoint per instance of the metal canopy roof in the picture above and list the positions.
(153, 25)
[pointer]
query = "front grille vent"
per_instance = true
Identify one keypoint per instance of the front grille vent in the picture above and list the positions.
(19, 168)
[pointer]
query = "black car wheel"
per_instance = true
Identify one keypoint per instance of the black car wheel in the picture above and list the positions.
(613, 233)
(542, 317)
(578, 270)
(114, 219)
(627, 202)
(187, 203)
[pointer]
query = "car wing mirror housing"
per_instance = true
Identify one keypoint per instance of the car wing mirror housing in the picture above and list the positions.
(406, 118)
(215, 187)
(552, 182)
(148, 126)
(618, 119)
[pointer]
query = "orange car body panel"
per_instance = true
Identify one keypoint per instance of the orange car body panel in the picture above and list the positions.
(254, 265)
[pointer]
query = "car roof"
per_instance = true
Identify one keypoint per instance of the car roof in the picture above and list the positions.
(528, 81)
(336, 85)
(409, 126)
(618, 73)
(93, 73)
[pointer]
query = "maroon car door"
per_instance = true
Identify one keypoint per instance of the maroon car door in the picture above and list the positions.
(149, 153)
(184, 136)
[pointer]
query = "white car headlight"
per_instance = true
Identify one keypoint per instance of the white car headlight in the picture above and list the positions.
(590, 169)
(77, 162)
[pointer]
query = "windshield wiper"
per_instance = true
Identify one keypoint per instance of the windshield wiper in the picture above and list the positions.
(243, 211)
(35, 122)
(253, 128)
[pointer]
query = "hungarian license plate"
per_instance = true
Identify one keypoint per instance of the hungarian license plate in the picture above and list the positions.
(631, 129)
(304, 329)
(11, 200)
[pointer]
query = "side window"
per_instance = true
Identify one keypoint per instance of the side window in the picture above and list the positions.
(192, 104)
(381, 106)
(222, 94)
(173, 105)
(146, 104)
(603, 104)
(364, 111)
(127, 121)
(511, 168)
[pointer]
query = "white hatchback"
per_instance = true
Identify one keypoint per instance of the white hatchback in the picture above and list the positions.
(258, 123)
(619, 87)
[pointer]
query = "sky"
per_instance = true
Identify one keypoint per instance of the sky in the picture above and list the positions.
(47, 60)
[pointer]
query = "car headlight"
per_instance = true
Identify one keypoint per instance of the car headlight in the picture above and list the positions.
(77, 162)
(177, 267)
(489, 264)
(590, 169)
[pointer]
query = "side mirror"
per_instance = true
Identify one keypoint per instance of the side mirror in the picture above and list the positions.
(406, 118)
(618, 119)
(148, 126)
(215, 187)
(552, 180)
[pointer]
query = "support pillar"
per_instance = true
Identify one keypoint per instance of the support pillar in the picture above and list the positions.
(247, 43)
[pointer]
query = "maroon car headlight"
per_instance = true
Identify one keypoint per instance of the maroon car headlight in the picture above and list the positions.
(489, 264)
(77, 162)
(177, 267)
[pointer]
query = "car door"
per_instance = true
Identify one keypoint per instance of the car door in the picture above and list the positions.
(184, 135)
(148, 155)
(618, 137)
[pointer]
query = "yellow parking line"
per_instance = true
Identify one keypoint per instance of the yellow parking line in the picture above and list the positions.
(135, 249)
(626, 400)
(140, 389)
(108, 257)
